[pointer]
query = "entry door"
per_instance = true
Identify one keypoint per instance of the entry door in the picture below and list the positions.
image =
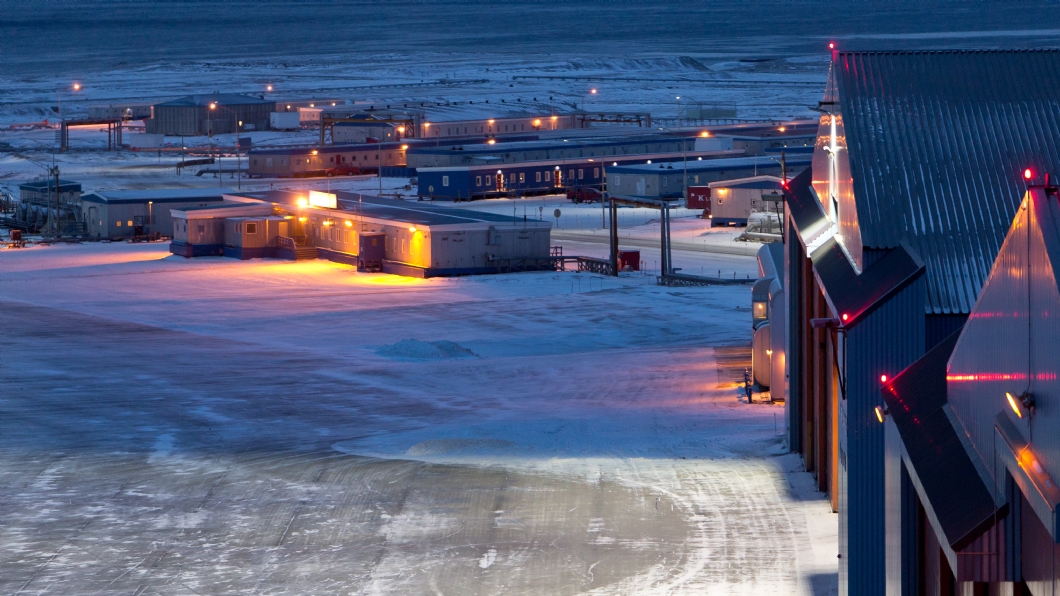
(500, 181)
(559, 177)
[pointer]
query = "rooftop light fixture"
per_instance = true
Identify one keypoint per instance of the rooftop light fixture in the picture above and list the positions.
(831, 45)
(1028, 174)
(846, 317)
(883, 378)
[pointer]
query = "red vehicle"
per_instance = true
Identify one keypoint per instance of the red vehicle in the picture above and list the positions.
(584, 194)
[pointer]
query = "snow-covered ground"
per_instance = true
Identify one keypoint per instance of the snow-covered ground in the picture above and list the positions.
(212, 426)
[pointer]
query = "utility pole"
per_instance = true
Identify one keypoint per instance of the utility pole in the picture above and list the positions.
(54, 171)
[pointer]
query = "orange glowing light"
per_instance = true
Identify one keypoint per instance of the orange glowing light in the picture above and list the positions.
(883, 378)
(491, 142)
(77, 86)
(401, 129)
(593, 92)
(426, 125)
(490, 121)
(404, 147)
(782, 128)
(301, 219)
(314, 151)
(704, 134)
(268, 88)
(303, 203)
(1028, 174)
(879, 413)
(537, 122)
(1012, 403)
(412, 229)
(554, 118)
(349, 224)
(213, 106)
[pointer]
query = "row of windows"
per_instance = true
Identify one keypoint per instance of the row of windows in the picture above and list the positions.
(334, 234)
(522, 177)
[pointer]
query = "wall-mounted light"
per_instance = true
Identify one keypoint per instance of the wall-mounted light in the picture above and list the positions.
(1020, 403)
(880, 413)
(349, 224)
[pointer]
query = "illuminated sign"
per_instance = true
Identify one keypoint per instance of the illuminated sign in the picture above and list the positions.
(323, 199)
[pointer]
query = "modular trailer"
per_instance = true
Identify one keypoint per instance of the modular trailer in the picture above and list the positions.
(665, 181)
(418, 240)
(301, 162)
(462, 183)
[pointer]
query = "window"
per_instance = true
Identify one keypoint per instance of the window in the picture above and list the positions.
(538, 177)
(445, 180)
(117, 223)
(202, 228)
(511, 178)
(571, 175)
(252, 228)
(581, 174)
(548, 176)
(489, 180)
(346, 236)
(697, 178)
(596, 172)
(130, 223)
(478, 180)
(522, 177)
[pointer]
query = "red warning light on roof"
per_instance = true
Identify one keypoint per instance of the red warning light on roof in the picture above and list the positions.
(831, 45)
(1028, 174)
(883, 378)
(846, 317)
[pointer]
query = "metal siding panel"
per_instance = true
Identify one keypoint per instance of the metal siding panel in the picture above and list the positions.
(894, 482)
(794, 258)
(884, 342)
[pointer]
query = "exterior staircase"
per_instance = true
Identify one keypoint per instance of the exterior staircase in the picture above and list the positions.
(303, 253)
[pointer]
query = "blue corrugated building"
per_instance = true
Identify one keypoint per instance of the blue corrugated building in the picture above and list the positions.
(890, 237)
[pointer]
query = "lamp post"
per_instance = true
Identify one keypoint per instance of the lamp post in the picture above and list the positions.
(150, 215)
(239, 162)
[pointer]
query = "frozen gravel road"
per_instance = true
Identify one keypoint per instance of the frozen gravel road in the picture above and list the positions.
(221, 427)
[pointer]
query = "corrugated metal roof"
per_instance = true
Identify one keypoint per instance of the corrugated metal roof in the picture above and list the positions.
(855, 296)
(156, 195)
(937, 143)
(224, 99)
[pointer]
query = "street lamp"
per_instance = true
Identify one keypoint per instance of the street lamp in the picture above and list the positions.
(150, 215)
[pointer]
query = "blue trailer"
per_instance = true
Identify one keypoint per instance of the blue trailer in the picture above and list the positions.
(484, 181)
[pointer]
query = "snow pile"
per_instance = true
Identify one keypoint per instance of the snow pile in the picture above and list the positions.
(413, 349)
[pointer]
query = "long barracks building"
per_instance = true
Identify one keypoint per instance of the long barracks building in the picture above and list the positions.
(891, 235)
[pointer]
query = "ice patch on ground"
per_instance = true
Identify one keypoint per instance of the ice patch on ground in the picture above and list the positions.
(413, 349)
